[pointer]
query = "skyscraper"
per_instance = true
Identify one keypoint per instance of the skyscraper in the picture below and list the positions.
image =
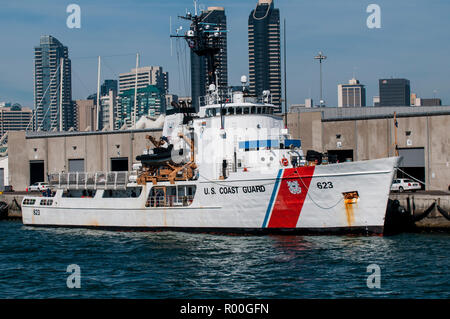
(14, 118)
(352, 94)
(150, 102)
(395, 92)
(107, 86)
(147, 75)
(264, 50)
(47, 90)
(199, 69)
(108, 110)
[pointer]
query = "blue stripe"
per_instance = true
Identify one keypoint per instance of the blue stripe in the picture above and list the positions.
(259, 143)
(272, 198)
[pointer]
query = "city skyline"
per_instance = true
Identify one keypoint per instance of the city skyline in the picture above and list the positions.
(408, 45)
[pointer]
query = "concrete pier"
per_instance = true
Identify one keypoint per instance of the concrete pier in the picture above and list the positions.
(420, 201)
(14, 201)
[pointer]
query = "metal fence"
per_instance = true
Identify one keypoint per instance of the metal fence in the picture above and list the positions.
(82, 180)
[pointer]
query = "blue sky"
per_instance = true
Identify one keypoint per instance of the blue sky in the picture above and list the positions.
(413, 43)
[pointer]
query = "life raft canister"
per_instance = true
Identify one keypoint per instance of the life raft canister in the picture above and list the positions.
(285, 161)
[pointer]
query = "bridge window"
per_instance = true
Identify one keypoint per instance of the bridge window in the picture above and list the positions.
(171, 196)
(130, 192)
(79, 193)
(29, 201)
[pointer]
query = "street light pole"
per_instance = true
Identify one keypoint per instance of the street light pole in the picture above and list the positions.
(320, 57)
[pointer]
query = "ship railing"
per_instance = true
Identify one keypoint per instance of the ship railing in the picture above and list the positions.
(169, 201)
(227, 97)
(83, 180)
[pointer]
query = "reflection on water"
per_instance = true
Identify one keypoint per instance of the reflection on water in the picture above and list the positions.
(184, 265)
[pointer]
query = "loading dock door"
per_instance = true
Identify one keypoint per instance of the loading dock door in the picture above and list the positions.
(413, 163)
(76, 165)
(119, 164)
(36, 172)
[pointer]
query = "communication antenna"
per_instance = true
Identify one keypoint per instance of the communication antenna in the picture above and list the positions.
(320, 57)
(203, 41)
(170, 31)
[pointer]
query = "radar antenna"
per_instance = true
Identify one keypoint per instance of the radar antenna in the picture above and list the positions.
(203, 38)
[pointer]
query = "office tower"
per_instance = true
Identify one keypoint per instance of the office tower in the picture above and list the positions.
(14, 118)
(150, 102)
(86, 114)
(413, 98)
(199, 68)
(430, 102)
(376, 101)
(352, 94)
(107, 86)
(169, 99)
(395, 92)
(147, 75)
(264, 51)
(108, 110)
(47, 90)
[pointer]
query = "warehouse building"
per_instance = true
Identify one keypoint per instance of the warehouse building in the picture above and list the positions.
(351, 134)
(34, 155)
(368, 133)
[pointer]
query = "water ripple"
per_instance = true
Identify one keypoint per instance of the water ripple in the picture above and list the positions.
(182, 265)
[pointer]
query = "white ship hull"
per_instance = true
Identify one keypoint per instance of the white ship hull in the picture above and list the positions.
(302, 199)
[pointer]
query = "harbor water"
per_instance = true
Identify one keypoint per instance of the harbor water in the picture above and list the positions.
(34, 264)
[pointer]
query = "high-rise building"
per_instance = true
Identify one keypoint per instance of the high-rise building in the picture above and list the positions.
(108, 110)
(169, 99)
(413, 98)
(147, 75)
(352, 94)
(107, 86)
(264, 51)
(429, 102)
(395, 92)
(86, 115)
(14, 118)
(199, 68)
(47, 91)
(150, 102)
(376, 101)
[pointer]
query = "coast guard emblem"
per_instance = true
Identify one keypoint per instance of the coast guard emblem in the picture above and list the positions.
(294, 188)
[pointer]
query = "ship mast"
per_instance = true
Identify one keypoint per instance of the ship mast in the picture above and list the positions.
(203, 39)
